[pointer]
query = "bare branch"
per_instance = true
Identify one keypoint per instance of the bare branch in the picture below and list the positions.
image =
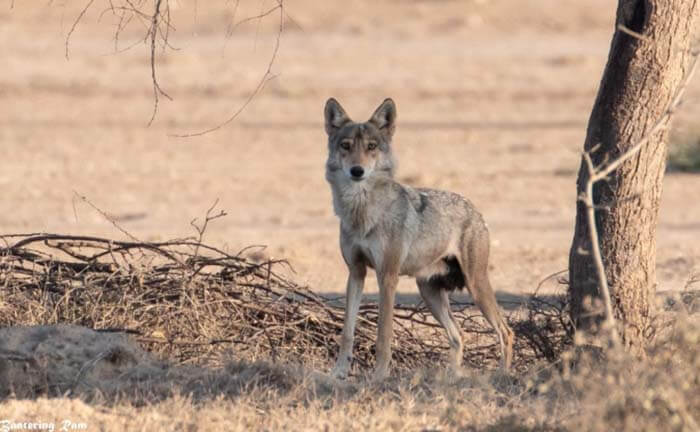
(208, 217)
(660, 124)
(267, 76)
(256, 17)
(75, 24)
(548, 277)
(624, 29)
(595, 249)
(155, 26)
(104, 214)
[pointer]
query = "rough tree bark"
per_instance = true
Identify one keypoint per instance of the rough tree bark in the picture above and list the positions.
(644, 69)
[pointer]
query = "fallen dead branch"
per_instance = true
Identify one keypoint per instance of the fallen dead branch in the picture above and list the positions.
(195, 303)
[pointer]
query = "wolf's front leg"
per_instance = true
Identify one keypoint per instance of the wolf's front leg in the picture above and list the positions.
(356, 282)
(387, 290)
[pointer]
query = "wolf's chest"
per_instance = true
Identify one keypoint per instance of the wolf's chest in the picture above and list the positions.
(370, 248)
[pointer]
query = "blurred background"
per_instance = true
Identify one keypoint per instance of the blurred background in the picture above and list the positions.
(493, 98)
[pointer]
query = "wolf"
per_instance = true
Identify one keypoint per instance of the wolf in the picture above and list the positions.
(437, 237)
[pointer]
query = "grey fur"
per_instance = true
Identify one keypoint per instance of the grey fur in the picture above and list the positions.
(435, 236)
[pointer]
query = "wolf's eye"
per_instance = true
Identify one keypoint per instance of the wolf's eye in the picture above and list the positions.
(372, 145)
(345, 145)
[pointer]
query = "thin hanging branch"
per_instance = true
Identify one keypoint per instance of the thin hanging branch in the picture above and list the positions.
(157, 27)
(156, 19)
(75, 25)
(266, 77)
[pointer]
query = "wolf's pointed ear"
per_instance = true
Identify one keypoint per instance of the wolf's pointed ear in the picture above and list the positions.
(385, 117)
(335, 116)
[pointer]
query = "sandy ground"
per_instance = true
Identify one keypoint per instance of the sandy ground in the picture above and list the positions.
(493, 99)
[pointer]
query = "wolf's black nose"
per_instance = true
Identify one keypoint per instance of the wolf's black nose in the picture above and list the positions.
(357, 171)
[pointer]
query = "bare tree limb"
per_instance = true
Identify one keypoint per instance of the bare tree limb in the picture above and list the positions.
(75, 24)
(267, 76)
(155, 25)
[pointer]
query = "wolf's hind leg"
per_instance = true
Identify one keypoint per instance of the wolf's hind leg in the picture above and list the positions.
(486, 300)
(475, 265)
(438, 302)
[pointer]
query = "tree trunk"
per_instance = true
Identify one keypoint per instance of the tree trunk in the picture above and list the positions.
(640, 79)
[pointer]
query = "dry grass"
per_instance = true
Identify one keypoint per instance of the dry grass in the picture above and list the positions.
(239, 346)
(620, 393)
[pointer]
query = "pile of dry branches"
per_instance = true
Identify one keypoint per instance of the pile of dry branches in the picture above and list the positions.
(194, 303)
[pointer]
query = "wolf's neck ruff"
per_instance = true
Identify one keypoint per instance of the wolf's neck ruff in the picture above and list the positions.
(356, 205)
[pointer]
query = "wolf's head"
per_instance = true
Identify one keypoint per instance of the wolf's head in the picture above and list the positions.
(359, 151)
